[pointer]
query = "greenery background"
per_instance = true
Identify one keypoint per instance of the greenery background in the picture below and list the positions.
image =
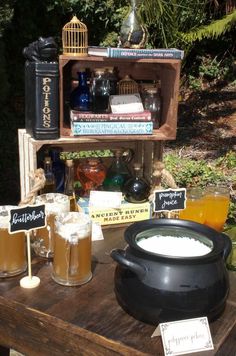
(204, 29)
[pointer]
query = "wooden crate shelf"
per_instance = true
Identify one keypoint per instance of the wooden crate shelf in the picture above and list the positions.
(166, 70)
(30, 149)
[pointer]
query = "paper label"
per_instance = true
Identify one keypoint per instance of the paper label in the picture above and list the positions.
(186, 336)
(123, 104)
(97, 233)
(104, 199)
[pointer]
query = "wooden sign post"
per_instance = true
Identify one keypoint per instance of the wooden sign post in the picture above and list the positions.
(169, 200)
(26, 219)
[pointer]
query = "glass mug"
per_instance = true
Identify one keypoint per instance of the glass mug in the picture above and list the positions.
(55, 203)
(72, 249)
(194, 210)
(12, 247)
(216, 200)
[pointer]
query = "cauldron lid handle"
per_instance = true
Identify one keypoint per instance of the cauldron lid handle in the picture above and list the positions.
(118, 255)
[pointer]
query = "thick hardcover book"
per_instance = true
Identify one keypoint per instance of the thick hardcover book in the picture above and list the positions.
(88, 116)
(114, 52)
(111, 128)
(42, 100)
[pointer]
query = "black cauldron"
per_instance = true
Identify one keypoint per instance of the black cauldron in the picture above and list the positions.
(157, 288)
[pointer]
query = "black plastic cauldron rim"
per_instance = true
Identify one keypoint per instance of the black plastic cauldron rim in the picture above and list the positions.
(217, 238)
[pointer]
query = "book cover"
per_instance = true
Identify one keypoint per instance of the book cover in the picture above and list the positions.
(92, 117)
(128, 212)
(111, 128)
(114, 52)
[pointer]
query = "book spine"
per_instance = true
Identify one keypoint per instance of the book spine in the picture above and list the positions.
(93, 117)
(113, 128)
(144, 53)
(42, 100)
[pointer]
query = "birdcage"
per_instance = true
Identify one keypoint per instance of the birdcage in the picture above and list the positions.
(75, 38)
(127, 86)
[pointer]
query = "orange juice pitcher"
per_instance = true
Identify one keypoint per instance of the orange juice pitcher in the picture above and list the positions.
(216, 201)
(194, 210)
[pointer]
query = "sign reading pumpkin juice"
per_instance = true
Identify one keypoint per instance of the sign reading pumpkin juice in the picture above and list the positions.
(169, 199)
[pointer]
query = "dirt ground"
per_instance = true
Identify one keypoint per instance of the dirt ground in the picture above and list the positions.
(206, 124)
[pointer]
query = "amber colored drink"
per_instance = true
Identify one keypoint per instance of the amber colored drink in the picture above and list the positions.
(12, 249)
(194, 210)
(216, 210)
(55, 203)
(72, 250)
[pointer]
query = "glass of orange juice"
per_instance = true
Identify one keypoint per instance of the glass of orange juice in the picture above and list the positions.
(216, 201)
(194, 210)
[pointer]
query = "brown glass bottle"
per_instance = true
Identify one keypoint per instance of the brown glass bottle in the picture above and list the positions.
(50, 183)
(69, 184)
(91, 174)
(136, 189)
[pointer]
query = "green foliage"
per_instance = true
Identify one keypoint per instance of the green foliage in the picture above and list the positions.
(188, 172)
(206, 68)
(213, 30)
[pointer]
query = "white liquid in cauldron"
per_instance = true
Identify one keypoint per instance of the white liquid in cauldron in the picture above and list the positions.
(174, 246)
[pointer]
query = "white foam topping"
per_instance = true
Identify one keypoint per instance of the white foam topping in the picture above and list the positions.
(55, 203)
(73, 226)
(5, 215)
(174, 246)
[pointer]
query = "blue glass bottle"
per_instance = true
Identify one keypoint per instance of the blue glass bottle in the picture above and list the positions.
(80, 96)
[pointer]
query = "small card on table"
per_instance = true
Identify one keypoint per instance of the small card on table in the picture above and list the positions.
(186, 336)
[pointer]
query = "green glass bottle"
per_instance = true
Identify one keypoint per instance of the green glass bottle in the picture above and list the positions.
(117, 174)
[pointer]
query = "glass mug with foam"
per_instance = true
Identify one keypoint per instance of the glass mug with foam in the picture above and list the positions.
(72, 249)
(55, 203)
(12, 247)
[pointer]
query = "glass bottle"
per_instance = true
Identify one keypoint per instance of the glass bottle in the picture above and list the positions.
(80, 96)
(91, 174)
(111, 76)
(69, 184)
(152, 102)
(58, 168)
(137, 189)
(100, 91)
(118, 172)
(133, 33)
(50, 183)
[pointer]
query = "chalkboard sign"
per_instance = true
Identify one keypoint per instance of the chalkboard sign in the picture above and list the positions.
(169, 199)
(27, 218)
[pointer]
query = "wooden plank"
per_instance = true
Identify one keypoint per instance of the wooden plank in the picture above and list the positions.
(35, 333)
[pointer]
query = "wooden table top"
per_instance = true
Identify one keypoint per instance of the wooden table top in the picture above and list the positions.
(87, 320)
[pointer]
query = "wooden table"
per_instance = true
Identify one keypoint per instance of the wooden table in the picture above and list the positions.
(87, 320)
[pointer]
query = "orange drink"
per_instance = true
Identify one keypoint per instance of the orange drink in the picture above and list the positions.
(72, 249)
(216, 201)
(12, 247)
(194, 210)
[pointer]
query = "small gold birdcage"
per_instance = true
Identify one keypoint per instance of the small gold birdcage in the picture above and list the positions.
(127, 86)
(75, 38)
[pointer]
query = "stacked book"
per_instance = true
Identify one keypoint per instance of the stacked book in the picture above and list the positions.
(88, 123)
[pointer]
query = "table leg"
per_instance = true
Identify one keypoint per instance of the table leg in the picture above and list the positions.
(4, 351)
